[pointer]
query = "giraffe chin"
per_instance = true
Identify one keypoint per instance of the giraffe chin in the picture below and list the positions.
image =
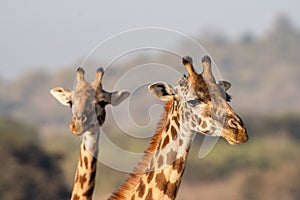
(232, 141)
(73, 129)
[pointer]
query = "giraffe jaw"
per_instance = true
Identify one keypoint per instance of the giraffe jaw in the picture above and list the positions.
(233, 141)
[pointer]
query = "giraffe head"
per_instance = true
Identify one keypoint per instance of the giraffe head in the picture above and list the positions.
(88, 101)
(202, 104)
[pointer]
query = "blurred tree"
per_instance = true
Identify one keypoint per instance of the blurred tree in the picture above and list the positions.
(248, 39)
(284, 25)
(27, 171)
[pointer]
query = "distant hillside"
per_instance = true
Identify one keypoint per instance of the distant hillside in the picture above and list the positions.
(264, 71)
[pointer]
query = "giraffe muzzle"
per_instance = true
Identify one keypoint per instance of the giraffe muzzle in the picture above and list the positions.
(80, 124)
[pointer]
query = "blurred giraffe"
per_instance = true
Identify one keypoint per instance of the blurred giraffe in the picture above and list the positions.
(88, 102)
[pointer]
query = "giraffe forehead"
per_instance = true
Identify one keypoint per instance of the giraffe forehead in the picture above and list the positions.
(84, 94)
(89, 91)
(84, 89)
(82, 98)
(184, 87)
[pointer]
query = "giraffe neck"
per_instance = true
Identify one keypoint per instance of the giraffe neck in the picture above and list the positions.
(158, 174)
(84, 181)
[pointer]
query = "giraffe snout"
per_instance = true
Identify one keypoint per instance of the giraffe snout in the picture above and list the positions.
(235, 132)
(81, 118)
(244, 135)
(79, 124)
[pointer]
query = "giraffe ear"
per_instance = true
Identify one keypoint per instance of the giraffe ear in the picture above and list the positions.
(118, 97)
(62, 95)
(162, 91)
(224, 85)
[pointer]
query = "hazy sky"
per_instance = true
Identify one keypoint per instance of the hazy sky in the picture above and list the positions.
(54, 34)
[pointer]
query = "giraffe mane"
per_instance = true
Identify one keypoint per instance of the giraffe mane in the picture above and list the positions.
(143, 164)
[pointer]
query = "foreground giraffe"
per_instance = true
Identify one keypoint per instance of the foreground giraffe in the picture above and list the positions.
(195, 104)
(88, 102)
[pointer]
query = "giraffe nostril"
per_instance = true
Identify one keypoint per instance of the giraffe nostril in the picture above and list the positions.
(84, 119)
(232, 123)
(77, 117)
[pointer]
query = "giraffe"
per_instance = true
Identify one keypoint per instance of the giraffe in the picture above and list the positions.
(88, 102)
(195, 104)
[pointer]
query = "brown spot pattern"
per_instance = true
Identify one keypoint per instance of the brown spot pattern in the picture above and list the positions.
(89, 192)
(171, 190)
(150, 176)
(141, 189)
(85, 160)
(193, 124)
(173, 133)
(196, 117)
(166, 141)
(180, 142)
(175, 119)
(178, 165)
(160, 161)
(171, 156)
(82, 180)
(187, 116)
(75, 197)
(204, 124)
(161, 181)
(199, 121)
(149, 195)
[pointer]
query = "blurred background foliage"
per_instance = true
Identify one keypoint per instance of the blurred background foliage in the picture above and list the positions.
(39, 154)
(27, 170)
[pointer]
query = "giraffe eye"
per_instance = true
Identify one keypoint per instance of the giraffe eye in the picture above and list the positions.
(194, 102)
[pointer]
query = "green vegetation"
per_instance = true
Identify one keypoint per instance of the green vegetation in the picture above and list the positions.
(268, 164)
(27, 170)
